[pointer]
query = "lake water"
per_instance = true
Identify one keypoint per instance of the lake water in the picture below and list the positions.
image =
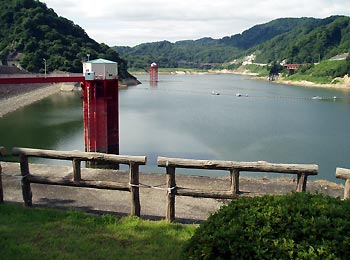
(180, 117)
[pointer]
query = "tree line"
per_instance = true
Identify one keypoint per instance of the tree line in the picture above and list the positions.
(31, 32)
(293, 40)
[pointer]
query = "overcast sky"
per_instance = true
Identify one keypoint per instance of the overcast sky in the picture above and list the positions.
(131, 22)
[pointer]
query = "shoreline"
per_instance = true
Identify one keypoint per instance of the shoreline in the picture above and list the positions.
(22, 99)
(304, 83)
(310, 84)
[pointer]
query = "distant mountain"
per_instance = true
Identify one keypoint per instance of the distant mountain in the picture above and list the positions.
(261, 33)
(31, 32)
(292, 39)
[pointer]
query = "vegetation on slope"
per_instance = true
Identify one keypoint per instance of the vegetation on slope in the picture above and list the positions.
(31, 32)
(310, 43)
(324, 73)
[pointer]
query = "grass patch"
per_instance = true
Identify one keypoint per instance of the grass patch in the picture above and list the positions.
(262, 71)
(311, 78)
(35, 233)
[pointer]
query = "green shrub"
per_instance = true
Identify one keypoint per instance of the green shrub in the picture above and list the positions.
(294, 226)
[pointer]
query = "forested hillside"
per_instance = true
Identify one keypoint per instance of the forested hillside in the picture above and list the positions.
(31, 32)
(309, 43)
(300, 40)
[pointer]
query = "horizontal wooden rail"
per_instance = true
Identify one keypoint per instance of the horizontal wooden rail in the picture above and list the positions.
(82, 156)
(261, 166)
(77, 157)
(108, 185)
(205, 194)
(302, 171)
(344, 174)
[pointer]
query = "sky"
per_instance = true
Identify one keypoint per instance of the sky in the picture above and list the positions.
(132, 22)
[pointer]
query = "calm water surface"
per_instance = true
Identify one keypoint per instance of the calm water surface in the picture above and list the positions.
(179, 117)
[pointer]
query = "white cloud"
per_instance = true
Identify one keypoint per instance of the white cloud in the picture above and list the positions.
(131, 22)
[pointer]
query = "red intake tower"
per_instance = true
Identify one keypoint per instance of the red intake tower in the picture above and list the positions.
(100, 104)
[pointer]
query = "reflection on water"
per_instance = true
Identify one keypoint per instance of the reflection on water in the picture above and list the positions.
(179, 117)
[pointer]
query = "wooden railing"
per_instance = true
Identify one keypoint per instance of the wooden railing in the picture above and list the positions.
(2, 153)
(302, 171)
(77, 157)
(344, 174)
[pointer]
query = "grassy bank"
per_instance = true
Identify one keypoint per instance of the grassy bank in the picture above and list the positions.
(29, 233)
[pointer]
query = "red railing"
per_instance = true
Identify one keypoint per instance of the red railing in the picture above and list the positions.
(39, 78)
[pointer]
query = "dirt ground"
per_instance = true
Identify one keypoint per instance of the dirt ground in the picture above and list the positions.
(153, 200)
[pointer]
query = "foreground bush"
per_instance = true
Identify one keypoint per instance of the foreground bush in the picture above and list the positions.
(294, 226)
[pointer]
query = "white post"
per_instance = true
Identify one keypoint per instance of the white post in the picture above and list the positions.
(45, 66)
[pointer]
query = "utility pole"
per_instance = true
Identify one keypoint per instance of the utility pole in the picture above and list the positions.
(44, 66)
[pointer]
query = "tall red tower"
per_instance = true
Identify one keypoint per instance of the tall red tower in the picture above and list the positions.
(100, 106)
(153, 72)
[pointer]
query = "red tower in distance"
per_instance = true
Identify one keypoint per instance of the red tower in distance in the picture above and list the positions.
(153, 72)
(100, 106)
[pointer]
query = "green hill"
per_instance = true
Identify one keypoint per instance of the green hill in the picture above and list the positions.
(298, 40)
(308, 43)
(30, 32)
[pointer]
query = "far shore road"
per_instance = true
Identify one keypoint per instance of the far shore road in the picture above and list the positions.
(343, 83)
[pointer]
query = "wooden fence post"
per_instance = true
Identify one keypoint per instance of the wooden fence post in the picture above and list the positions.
(76, 170)
(171, 183)
(347, 189)
(1, 190)
(135, 193)
(344, 174)
(234, 181)
(26, 190)
(301, 182)
(2, 153)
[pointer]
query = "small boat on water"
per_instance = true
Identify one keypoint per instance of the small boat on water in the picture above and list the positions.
(215, 93)
(316, 97)
(238, 95)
